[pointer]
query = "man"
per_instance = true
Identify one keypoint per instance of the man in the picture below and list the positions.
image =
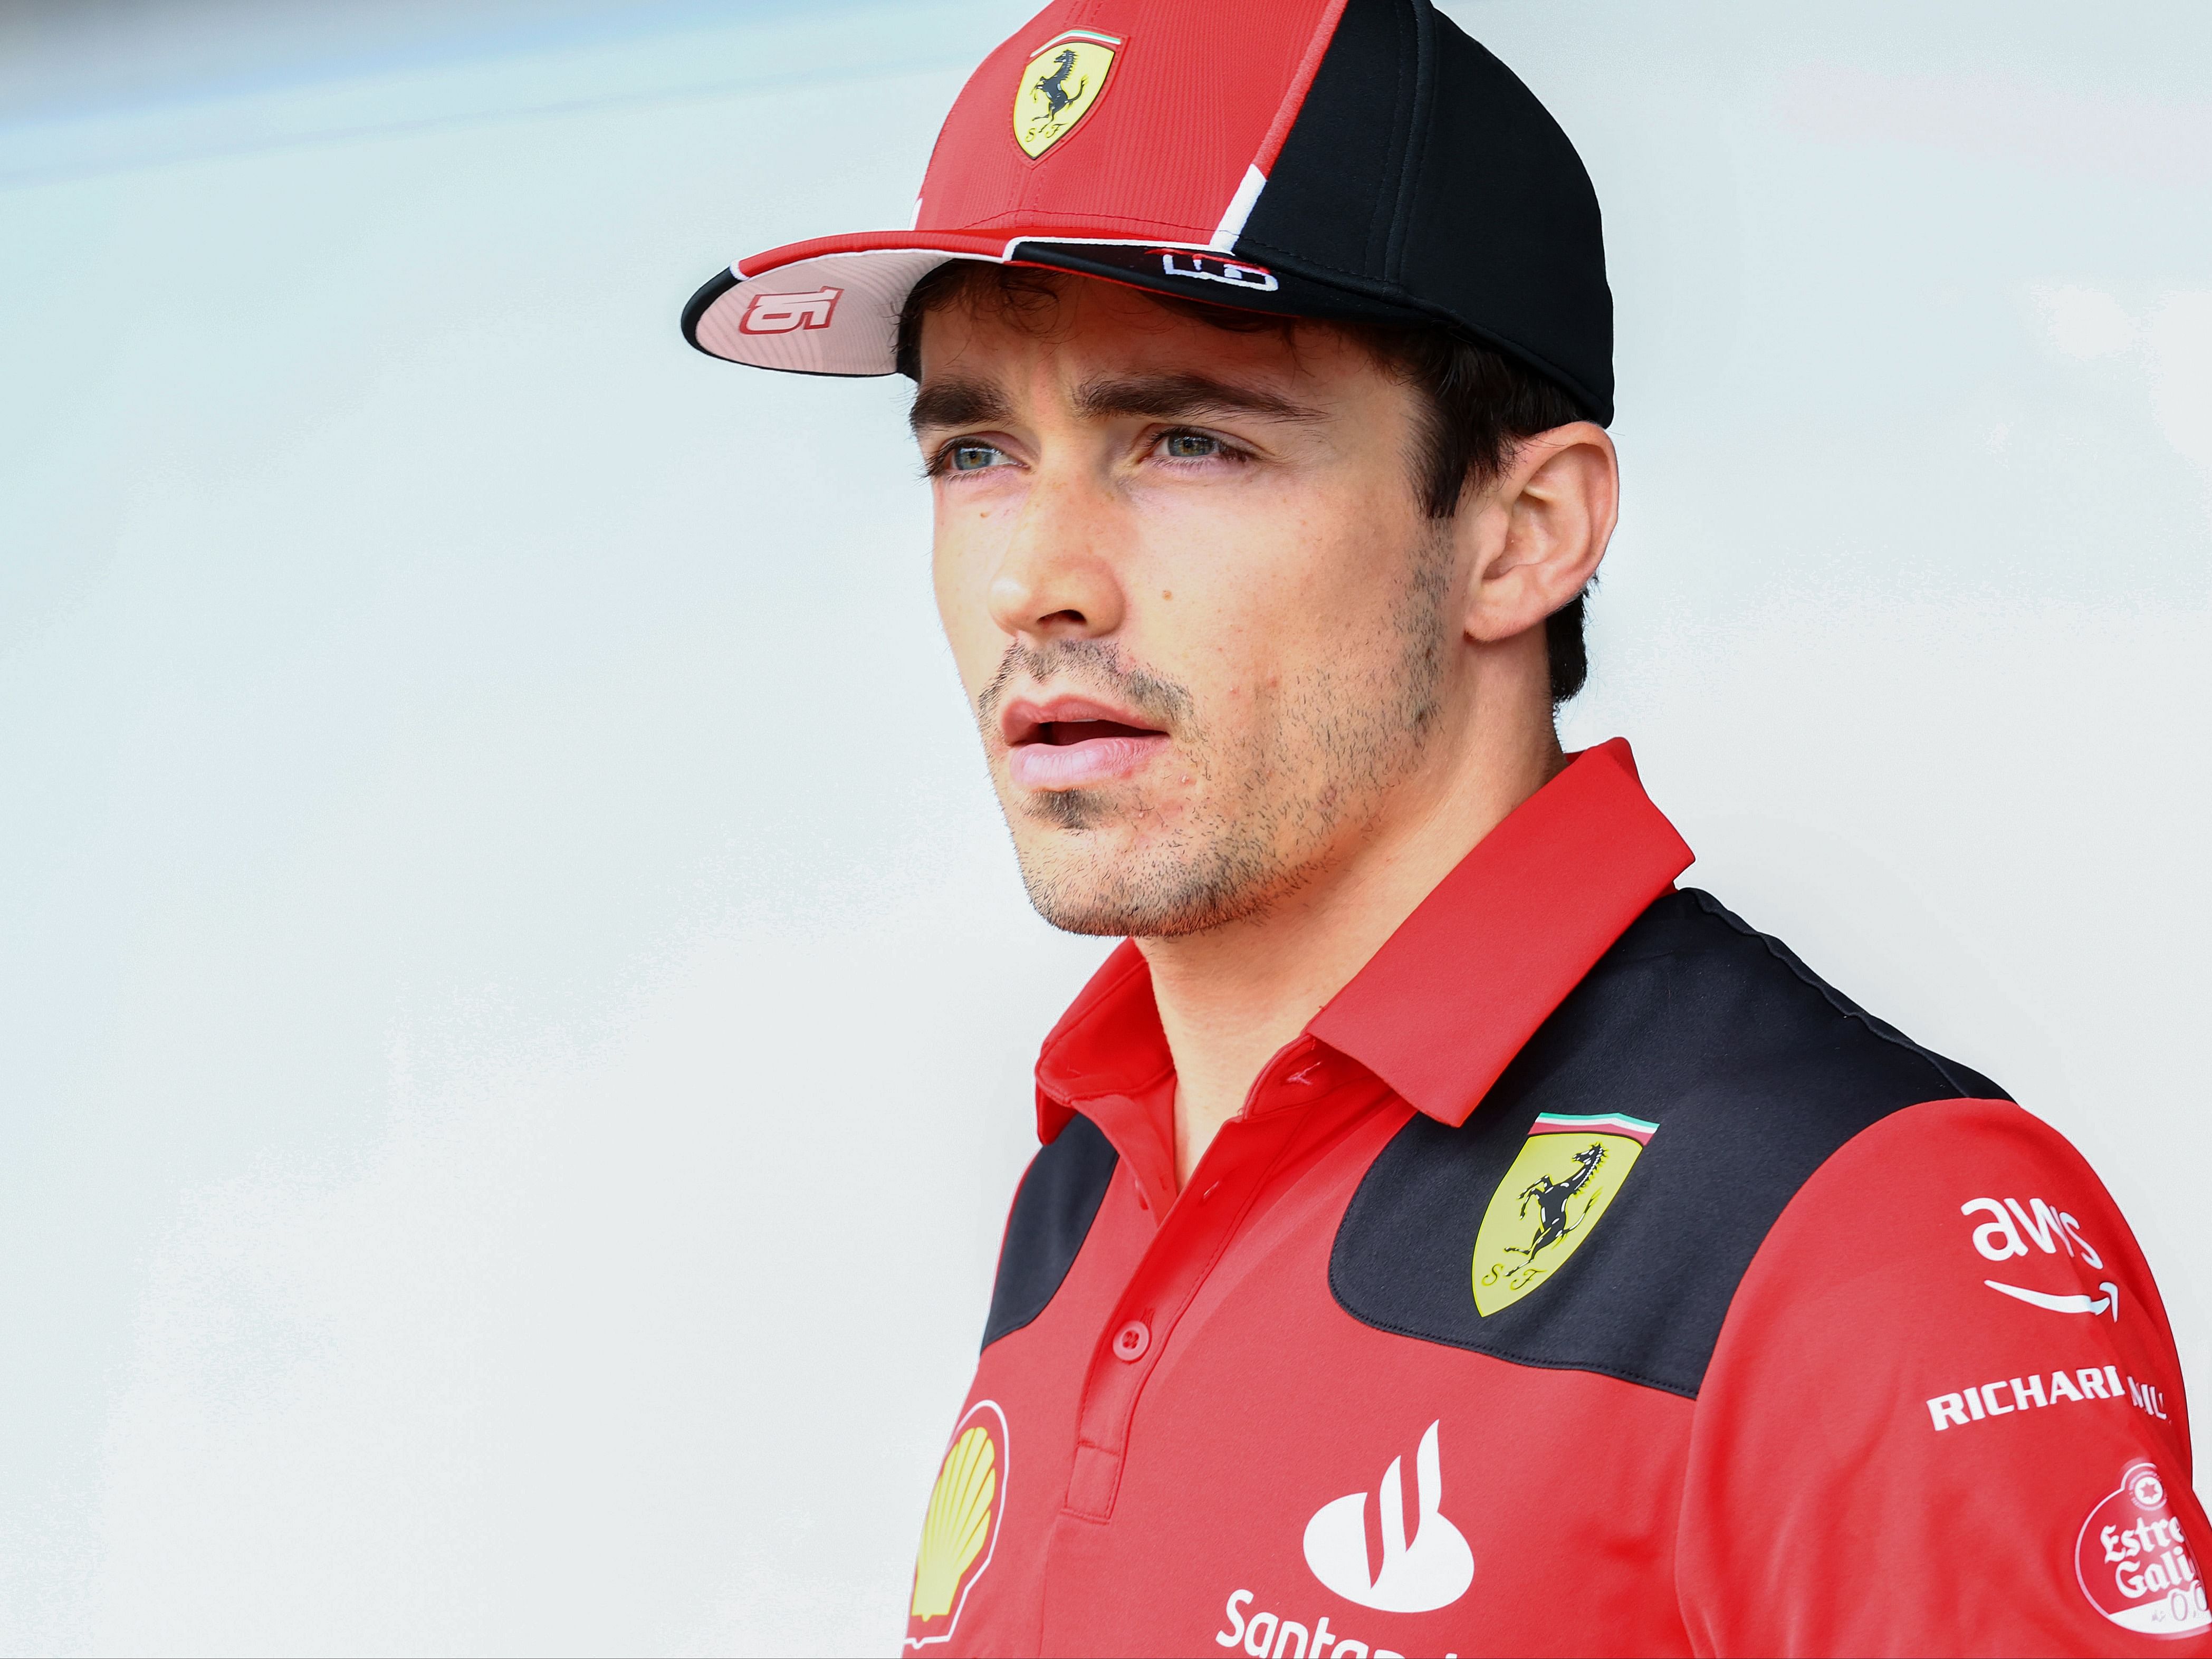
(1450, 1234)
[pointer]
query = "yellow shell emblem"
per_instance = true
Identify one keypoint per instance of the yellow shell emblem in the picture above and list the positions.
(1058, 87)
(1559, 1186)
(962, 1522)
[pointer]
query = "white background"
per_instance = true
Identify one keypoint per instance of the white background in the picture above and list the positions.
(514, 1002)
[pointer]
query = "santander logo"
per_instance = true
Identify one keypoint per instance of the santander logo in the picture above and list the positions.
(1429, 1570)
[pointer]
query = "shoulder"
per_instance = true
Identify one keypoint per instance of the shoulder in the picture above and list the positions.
(1054, 1208)
(1697, 1078)
(1949, 1353)
(1973, 1196)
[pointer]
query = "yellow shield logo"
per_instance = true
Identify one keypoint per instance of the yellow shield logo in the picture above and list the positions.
(1059, 87)
(1558, 1188)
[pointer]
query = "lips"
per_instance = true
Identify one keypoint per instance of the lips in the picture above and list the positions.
(1069, 743)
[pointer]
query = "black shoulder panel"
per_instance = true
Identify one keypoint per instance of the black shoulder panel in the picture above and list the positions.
(1058, 1200)
(1755, 1071)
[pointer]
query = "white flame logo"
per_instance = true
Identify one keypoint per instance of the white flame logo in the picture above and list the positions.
(1431, 1571)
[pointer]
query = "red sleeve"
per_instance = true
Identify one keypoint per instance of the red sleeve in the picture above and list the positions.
(1945, 1414)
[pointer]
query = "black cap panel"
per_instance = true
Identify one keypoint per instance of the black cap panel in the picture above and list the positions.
(1422, 174)
(1504, 214)
(1333, 195)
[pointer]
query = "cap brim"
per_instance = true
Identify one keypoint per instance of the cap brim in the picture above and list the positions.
(826, 308)
(832, 307)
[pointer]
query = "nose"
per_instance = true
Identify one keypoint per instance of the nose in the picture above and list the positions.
(1054, 580)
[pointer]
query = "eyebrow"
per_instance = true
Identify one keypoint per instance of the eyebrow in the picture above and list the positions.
(1157, 397)
(1169, 397)
(958, 403)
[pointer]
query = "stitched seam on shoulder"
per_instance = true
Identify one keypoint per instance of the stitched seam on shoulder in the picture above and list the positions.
(1835, 999)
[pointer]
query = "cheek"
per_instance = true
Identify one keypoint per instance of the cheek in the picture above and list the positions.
(1265, 584)
(959, 577)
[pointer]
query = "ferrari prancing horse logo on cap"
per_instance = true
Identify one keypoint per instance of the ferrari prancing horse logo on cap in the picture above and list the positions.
(1560, 1185)
(1063, 81)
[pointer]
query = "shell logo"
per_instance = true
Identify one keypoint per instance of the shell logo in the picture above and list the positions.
(961, 1530)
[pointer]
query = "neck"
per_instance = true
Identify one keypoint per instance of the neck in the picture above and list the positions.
(1231, 998)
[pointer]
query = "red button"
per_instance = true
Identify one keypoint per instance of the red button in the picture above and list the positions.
(1132, 1339)
(1209, 1192)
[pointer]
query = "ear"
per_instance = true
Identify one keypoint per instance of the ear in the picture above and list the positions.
(1557, 500)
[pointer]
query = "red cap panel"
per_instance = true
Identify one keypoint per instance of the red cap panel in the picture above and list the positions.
(1189, 103)
(1101, 120)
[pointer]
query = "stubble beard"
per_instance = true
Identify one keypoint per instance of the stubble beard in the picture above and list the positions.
(1266, 815)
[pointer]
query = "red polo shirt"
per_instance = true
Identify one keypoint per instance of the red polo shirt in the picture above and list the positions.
(1587, 1276)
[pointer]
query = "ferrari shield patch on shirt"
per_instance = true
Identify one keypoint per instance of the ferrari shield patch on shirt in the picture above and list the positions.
(1558, 1188)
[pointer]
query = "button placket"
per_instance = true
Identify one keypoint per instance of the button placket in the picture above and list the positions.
(1191, 1240)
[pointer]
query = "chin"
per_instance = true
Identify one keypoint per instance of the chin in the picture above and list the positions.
(1109, 887)
(1050, 813)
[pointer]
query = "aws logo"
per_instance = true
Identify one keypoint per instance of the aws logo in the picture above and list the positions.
(961, 1530)
(2006, 1235)
(1559, 1188)
(1060, 86)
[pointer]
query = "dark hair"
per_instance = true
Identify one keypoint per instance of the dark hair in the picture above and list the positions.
(1479, 403)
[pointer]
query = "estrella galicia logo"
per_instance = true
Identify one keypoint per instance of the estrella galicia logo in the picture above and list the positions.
(1559, 1186)
(2133, 1563)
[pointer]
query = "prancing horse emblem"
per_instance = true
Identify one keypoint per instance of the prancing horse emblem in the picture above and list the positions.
(1054, 86)
(1563, 1178)
(1551, 1198)
(1063, 81)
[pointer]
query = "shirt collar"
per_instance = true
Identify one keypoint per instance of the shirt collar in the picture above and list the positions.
(1454, 994)
(1108, 1042)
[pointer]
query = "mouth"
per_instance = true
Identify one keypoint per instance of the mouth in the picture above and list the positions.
(1072, 743)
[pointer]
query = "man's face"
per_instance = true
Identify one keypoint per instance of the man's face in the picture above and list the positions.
(1199, 612)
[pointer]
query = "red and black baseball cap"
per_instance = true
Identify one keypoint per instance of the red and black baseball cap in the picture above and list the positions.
(1352, 159)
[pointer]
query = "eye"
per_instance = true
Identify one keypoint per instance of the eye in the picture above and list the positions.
(1190, 445)
(970, 457)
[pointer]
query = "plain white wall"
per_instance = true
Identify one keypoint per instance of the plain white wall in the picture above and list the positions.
(515, 1006)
